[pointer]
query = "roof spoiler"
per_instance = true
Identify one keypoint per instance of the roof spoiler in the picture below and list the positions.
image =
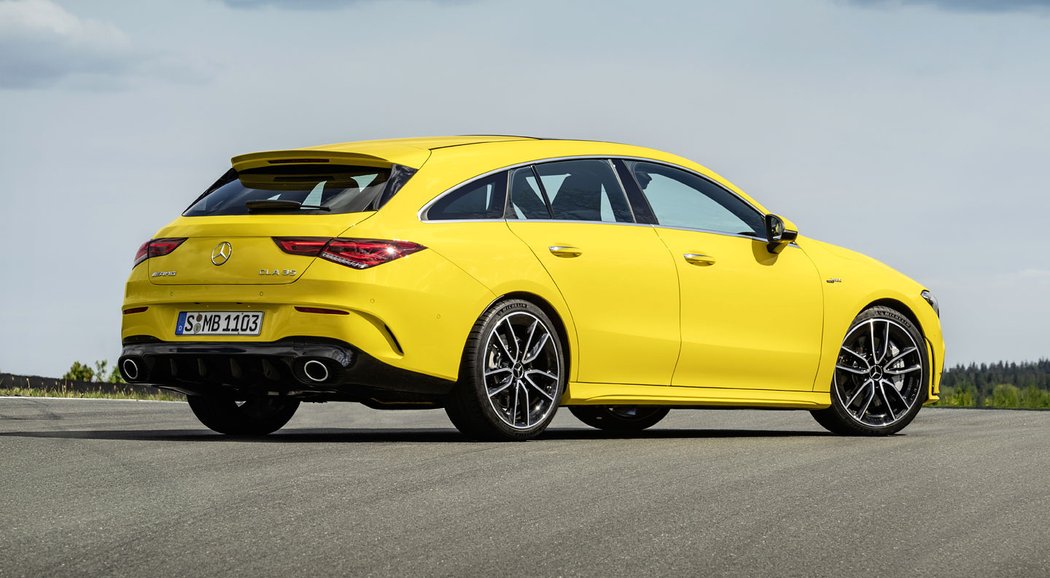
(320, 157)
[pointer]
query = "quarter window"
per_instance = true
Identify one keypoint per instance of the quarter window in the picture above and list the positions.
(483, 199)
(683, 199)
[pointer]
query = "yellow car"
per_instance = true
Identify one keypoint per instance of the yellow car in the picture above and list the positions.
(500, 277)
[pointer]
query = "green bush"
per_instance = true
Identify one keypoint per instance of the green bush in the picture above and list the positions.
(82, 372)
(79, 372)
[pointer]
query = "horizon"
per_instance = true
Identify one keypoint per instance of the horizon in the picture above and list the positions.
(913, 131)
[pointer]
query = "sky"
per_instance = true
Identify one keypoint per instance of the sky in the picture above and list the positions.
(914, 131)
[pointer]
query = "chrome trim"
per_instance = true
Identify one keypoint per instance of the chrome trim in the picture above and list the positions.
(421, 214)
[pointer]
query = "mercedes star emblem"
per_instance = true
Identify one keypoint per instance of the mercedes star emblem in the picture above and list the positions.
(221, 253)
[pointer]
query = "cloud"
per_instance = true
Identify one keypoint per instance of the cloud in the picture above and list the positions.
(43, 45)
(964, 5)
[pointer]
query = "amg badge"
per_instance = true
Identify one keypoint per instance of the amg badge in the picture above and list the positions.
(280, 272)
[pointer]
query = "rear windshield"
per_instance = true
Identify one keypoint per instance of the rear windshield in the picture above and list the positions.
(307, 189)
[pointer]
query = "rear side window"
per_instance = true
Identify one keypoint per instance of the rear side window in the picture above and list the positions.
(482, 199)
(584, 190)
(311, 189)
(526, 198)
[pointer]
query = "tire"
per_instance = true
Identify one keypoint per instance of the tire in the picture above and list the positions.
(622, 419)
(512, 375)
(256, 416)
(881, 376)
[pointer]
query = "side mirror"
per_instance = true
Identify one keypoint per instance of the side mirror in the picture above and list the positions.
(779, 232)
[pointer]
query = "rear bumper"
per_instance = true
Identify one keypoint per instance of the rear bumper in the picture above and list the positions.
(279, 368)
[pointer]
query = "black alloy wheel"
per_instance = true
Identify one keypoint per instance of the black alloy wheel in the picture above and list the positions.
(512, 375)
(881, 376)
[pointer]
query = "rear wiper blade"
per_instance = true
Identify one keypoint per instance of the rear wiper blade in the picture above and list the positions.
(279, 205)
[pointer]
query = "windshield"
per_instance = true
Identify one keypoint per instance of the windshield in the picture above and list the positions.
(308, 189)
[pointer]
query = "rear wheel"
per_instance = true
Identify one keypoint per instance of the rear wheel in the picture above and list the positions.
(512, 375)
(621, 419)
(255, 416)
(880, 376)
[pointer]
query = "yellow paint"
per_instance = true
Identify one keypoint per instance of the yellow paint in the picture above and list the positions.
(643, 324)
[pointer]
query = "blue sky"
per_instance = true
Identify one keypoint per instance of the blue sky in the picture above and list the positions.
(915, 131)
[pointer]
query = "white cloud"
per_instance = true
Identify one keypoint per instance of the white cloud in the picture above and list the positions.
(42, 44)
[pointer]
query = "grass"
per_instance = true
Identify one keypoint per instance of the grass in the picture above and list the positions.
(157, 395)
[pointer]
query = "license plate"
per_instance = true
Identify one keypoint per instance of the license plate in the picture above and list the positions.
(219, 323)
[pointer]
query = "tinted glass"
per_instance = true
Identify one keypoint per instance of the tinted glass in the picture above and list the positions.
(584, 190)
(337, 188)
(478, 200)
(683, 199)
(526, 199)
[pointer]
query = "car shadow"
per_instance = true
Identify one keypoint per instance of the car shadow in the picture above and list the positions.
(381, 435)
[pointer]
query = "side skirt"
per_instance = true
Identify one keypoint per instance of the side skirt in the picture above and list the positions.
(620, 394)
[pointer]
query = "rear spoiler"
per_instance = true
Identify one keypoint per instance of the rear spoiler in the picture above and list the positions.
(411, 157)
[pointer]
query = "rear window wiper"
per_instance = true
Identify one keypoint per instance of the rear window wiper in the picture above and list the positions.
(279, 205)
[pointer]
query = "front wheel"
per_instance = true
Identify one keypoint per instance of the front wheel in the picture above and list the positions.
(619, 419)
(512, 375)
(255, 416)
(880, 376)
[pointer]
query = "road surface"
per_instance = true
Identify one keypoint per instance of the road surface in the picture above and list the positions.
(125, 488)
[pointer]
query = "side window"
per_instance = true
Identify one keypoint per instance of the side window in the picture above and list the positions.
(526, 197)
(483, 199)
(584, 190)
(683, 199)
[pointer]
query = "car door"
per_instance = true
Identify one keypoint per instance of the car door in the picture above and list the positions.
(750, 318)
(616, 276)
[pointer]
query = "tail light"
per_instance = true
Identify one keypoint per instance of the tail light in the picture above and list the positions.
(156, 248)
(356, 253)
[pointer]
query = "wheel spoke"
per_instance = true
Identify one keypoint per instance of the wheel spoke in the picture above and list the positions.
(528, 340)
(893, 388)
(498, 371)
(885, 342)
(532, 355)
(501, 388)
(864, 410)
(528, 407)
(886, 400)
(857, 355)
(903, 371)
(502, 344)
(853, 370)
(901, 355)
(514, 338)
(860, 389)
(514, 411)
(871, 330)
(543, 373)
(529, 381)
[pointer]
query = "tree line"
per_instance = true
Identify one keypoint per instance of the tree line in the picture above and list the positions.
(1001, 384)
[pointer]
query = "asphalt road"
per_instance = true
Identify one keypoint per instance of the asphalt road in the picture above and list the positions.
(139, 488)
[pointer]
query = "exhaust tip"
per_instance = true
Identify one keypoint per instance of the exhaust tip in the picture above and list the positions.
(131, 369)
(315, 371)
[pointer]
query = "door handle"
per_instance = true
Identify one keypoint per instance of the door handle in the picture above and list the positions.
(699, 259)
(565, 251)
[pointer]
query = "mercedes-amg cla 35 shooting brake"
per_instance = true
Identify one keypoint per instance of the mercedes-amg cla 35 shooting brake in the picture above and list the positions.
(501, 277)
